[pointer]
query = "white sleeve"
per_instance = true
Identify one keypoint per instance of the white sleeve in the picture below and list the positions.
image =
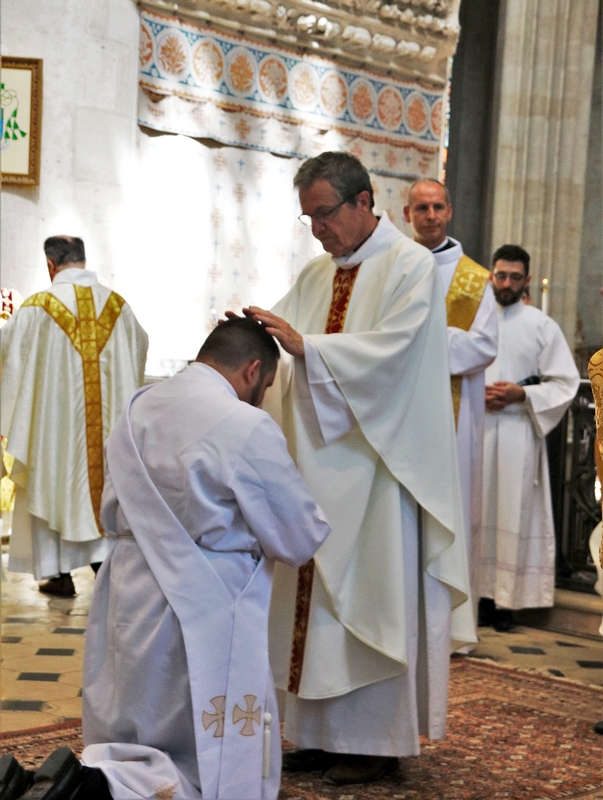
(473, 350)
(321, 403)
(547, 401)
(275, 501)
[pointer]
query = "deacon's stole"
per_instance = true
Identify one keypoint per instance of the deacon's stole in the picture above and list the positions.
(89, 336)
(462, 301)
(343, 283)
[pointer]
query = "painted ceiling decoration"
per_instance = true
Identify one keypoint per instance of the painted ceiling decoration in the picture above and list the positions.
(222, 80)
(406, 39)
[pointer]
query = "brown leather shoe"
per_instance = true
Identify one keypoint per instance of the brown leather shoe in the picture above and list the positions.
(360, 769)
(62, 586)
(309, 760)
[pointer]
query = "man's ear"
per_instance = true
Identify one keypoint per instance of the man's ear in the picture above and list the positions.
(406, 212)
(528, 279)
(52, 268)
(252, 371)
(363, 199)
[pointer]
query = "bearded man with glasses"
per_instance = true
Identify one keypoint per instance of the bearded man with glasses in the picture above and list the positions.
(529, 386)
(361, 635)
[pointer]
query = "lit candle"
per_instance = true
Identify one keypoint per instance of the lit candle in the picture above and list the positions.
(545, 296)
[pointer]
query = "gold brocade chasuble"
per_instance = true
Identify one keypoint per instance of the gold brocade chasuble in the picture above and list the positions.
(89, 336)
(462, 301)
(595, 373)
(343, 283)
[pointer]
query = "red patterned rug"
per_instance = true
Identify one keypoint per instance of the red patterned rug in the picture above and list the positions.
(511, 734)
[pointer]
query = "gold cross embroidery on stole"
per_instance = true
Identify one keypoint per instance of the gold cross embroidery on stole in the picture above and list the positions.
(343, 283)
(89, 336)
(462, 301)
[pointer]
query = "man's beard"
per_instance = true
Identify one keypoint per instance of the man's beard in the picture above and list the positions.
(506, 297)
(255, 392)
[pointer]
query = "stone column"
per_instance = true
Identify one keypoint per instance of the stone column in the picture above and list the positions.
(547, 58)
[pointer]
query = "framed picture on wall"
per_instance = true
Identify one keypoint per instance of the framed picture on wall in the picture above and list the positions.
(20, 120)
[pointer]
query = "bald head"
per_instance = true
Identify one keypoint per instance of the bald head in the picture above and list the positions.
(428, 211)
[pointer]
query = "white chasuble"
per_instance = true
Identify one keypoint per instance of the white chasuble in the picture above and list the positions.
(72, 356)
(201, 495)
(368, 418)
(470, 352)
(517, 537)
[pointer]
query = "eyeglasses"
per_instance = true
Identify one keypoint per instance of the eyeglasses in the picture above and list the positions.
(321, 216)
(514, 277)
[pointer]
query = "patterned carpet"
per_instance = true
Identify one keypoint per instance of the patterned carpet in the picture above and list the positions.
(511, 734)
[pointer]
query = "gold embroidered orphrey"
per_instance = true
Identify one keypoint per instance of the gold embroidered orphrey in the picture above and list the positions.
(89, 336)
(343, 284)
(595, 373)
(248, 714)
(217, 719)
(462, 301)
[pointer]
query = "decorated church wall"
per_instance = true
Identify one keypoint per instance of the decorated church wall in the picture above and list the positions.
(199, 214)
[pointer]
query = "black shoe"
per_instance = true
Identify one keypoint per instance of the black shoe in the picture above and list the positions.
(485, 612)
(503, 620)
(14, 779)
(309, 760)
(62, 586)
(63, 777)
(597, 728)
(360, 769)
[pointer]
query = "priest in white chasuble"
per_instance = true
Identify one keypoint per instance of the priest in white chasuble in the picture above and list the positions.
(529, 386)
(361, 636)
(71, 358)
(472, 342)
(201, 498)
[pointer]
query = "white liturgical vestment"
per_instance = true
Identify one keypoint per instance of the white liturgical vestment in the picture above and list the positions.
(201, 497)
(65, 381)
(517, 547)
(470, 352)
(368, 417)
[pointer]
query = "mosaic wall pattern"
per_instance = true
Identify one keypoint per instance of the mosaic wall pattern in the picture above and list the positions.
(239, 92)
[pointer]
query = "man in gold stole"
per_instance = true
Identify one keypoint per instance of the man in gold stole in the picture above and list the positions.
(361, 637)
(71, 358)
(472, 342)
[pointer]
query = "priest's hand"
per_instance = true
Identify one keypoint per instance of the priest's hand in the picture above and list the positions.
(500, 394)
(290, 340)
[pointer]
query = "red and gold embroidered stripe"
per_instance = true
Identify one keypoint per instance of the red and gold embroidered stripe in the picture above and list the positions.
(343, 283)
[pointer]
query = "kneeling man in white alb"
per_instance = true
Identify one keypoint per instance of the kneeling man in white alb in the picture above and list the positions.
(201, 498)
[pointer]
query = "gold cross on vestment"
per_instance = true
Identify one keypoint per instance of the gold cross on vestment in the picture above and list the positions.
(469, 282)
(216, 719)
(249, 715)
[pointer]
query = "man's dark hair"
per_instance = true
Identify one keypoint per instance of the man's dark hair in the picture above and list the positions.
(63, 250)
(513, 252)
(344, 172)
(238, 341)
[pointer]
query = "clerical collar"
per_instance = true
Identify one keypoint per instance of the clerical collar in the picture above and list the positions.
(83, 277)
(383, 234)
(446, 245)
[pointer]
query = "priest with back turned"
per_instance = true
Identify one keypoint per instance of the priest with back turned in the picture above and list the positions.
(361, 634)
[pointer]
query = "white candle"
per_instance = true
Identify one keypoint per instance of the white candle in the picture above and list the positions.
(545, 296)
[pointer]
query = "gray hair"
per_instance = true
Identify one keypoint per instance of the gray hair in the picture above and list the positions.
(429, 180)
(342, 170)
